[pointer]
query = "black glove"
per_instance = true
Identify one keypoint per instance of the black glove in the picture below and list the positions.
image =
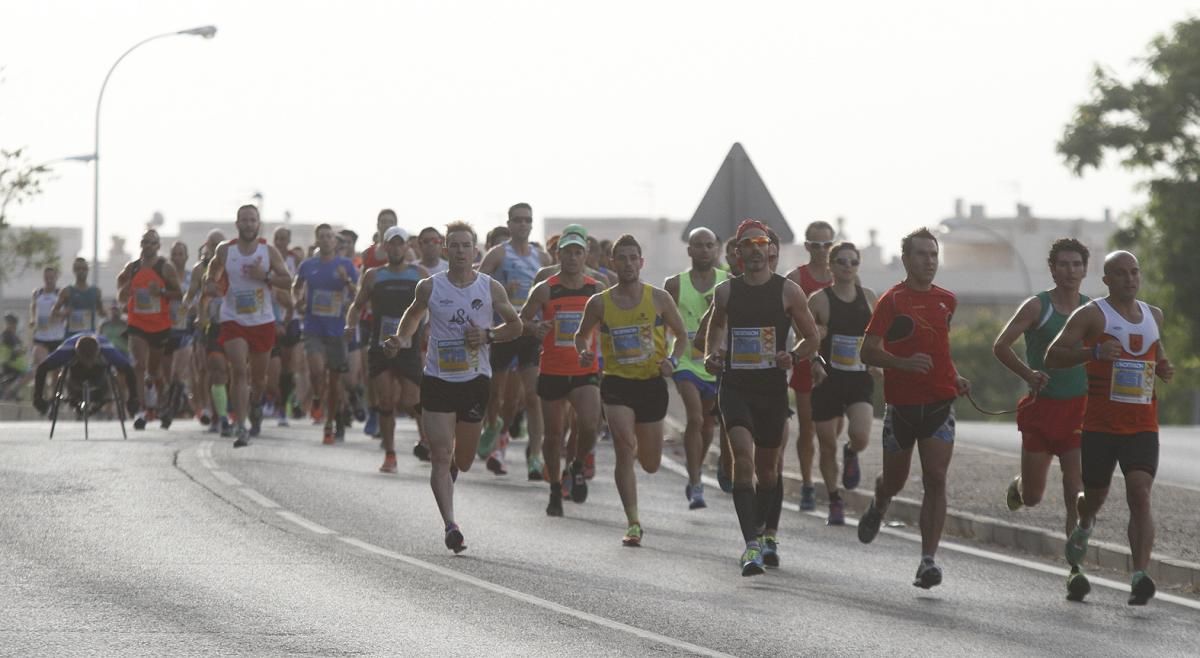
(41, 405)
(132, 406)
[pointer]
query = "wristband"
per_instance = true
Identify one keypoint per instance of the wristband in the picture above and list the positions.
(673, 360)
(1096, 352)
(819, 360)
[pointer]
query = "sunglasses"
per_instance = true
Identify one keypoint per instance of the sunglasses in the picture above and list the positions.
(758, 241)
(847, 262)
(819, 245)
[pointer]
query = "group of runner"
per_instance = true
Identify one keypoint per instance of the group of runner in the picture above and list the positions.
(464, 340)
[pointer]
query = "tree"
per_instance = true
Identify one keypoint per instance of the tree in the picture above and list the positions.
(22, 249)
(1152, 125)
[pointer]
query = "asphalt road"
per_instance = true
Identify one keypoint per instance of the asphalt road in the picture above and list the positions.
(175, 544)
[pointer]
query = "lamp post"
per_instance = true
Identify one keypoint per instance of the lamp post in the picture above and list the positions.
(206, 31)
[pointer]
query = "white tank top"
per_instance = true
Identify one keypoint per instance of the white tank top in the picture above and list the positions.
(179, 321)
(1135, 339)
(247, 301)
(451, 311)
(48, 328)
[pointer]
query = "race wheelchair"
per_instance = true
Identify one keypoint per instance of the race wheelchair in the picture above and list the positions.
(86, 391)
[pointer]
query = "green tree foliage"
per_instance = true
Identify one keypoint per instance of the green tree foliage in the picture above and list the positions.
(992, 385)
(22, 249)
(20, 181)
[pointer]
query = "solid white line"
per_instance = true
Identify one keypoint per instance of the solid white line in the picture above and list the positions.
(208, 463)
(226, 478)
(262, 500)
(305, 523)
(533, 600)
(676, 467)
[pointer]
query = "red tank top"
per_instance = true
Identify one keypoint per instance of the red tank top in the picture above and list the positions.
(147, 311)
(564, 311)
(1121, 397)
(808, 283)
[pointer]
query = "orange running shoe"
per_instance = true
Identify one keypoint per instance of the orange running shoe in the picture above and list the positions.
(328, 440)
(316, 412)
(389, 463)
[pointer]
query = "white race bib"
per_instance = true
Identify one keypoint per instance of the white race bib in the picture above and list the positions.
(566, 323)
(632, 344)
(1132, 381)
(844, 352)
(752, 348)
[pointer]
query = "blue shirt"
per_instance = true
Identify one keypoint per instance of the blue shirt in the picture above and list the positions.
(327, 294)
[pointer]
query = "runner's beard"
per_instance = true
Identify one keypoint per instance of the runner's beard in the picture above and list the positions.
(246, 235)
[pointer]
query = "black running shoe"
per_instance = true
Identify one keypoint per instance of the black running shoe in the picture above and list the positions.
(242, 439)
(454, 539)
(421, 451)
(579, 486)
(1077, 585)
(1142, 591)
(139, 423)
(868, 525)
(256, 416)
(555, 507)
(929, 575)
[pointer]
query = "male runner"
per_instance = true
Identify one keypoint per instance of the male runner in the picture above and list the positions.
(326, 281)
(818, 238)
(1122, 352)
(845, 388)
(287, 329)
(248, 268)
(395, 377)
(375, 255)
(454, 389)
(430, 242)
(909, 337)
(732, 266)
(209, 388)
(692, 291)
(178, 350)
(747, 343)
(80, 302)
(147, 285)
(560, 301)
(514, 263)
(1050, 417)
(631, 316)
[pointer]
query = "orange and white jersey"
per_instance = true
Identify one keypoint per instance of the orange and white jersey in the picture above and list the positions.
(1121, 397)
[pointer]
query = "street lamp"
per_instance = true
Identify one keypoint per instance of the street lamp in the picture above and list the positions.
(206, 31)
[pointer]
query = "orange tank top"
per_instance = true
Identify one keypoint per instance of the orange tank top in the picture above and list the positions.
(1121, 398)
(148, 311)
(564, 311)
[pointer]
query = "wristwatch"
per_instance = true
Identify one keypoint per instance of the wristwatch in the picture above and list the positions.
(487, 335)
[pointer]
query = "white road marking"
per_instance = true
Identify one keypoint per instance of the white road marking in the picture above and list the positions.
(226, 478)
(262, 500)
(533, 600)
(208, 463)
(305, 523)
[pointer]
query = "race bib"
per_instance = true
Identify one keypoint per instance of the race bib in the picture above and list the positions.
(631, 344)
(143, 301)
(753, 348)
(388, 326)
(520, 290)
(326, 303)
(844, 351)
(693, 353)
(77, 320)
(454, 356)
(247, 302)
(43, 322)
(566, 323)
(1132, 381)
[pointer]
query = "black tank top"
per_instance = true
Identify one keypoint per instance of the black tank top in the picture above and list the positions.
(390, 296)
(758, 328)
(847, 324)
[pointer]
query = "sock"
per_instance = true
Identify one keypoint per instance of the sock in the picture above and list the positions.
(390, 453)
(556, 489)
(763, 497)
(743, 503)
(835, 496)
(927, 559)
(287, 382)
(220, 398)
(631, 513)
(776, 509)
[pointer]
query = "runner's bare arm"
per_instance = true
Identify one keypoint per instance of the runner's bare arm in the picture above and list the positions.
(593, 314)
(1163, 367)
(61, 303)
(671, 285)
(279, 277)
(216, 266)
(510, 326)
(796, 305)
(492, 260)
(714, 340)
(1067, 349)
(670, 314)
(174, 288)
(702, 330)
(818, 305)
(537, 298)
(354, 312)
(873, 354)
(33, 308)
(124, 279)
(1024, 319)
(416, 310)
(195, 286)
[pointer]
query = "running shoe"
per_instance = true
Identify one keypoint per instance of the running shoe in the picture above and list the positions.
(205, 419)
(851, 472)
(1077, 544)
(421, 451)
(770, 551)
(371, 428)
(389, 463)
(317, 414)
(139, 423)
(868, 525)
(495, 465)
(837, 513)
(687, 490)
(514, 428)
(1077, 585)
(555, 507)
(929, 575)
(165, 421)
(535, 469)
(808, 498)
(633, 535)
(1013, 496)
(226, 427)
(242, 439)
(752, 561)
(487, 439)
(328, 437)
(579, 485)
(282, 422)
(696, 499)
(256, 418)
(589, 465)
(454, 539)
(1142, 589)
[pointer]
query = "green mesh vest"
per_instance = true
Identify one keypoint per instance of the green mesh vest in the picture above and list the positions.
(1064, 383)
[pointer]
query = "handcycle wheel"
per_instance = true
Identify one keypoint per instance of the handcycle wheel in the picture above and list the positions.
(87, 407)
(119, 400)
(54, 402)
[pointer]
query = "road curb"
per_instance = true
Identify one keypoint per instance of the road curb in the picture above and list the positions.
(1166, 571)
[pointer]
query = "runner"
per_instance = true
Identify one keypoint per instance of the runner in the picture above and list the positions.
(178, 350)
(80, 302)
(732, 266)
(909, 337)
(515, 263)
(375, 255)
(430, 241)
(147, 285)
(48, 329)
(284, 356)
(325, 281)
(747, 343)
(692, 291)
(454, 388)
(210, 389)
(354, 403)
(631, 316)
(247, 267)
(846, 388)
(395, 377)
(560, 301)
(1050, 417)
(1123, 352)
(818, 238)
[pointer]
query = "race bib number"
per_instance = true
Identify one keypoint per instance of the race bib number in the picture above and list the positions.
(566, 323)
(143, 301)
(753, 348)
(631, 344)
(247, 302)
(327, 303)
(1132, 381)
(77, 320)
(388, 326)
(844, 351)
(454, 356)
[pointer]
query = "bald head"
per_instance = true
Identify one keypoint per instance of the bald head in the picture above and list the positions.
(1122, 275)
(703, 249)
(702, 233)
(1119, 260)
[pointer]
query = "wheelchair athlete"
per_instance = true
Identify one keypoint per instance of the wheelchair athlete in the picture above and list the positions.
(87, 357)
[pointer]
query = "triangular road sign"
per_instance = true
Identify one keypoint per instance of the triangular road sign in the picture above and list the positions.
(738, 193)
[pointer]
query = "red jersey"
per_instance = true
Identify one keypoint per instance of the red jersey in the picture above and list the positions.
(912, 322)
(810, 284)
(801, 379)
(371, 259)
(1121, 397)
(564, 311)
(148, 312)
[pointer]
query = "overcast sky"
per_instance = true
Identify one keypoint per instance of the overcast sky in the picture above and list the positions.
(879, 112)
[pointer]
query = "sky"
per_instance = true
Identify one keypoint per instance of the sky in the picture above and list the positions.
(879, 112)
